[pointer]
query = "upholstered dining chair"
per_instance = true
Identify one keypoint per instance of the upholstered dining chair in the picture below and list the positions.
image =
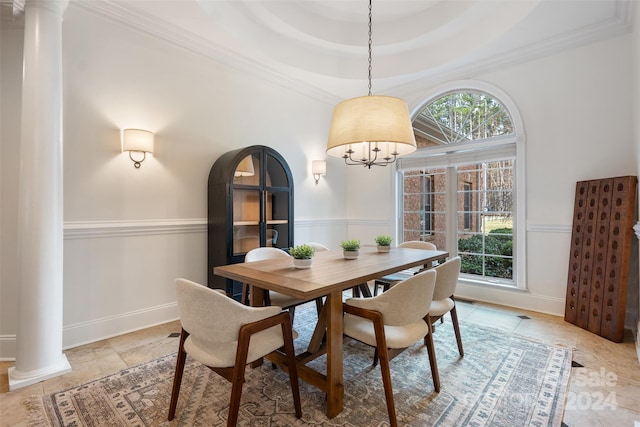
(387, 281)
(393, 321)
(271, 297)
(318, 246)
(225, 336)
(443, 300)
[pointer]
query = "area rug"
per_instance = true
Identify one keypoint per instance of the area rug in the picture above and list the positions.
(503, 380)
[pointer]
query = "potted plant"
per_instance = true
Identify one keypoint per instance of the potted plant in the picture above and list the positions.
(384, 243)
(302, 255)
(350, 248)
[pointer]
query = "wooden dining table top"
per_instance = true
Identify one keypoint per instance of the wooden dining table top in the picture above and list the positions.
(329, 272)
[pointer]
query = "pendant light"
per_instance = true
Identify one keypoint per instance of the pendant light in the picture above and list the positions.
(371, 130)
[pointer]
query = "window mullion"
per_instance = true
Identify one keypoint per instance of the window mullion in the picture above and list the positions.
(451, 178)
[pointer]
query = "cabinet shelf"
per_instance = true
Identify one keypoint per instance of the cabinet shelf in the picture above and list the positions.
(253, 222)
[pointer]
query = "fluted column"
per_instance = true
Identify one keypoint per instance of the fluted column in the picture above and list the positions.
(40, 225)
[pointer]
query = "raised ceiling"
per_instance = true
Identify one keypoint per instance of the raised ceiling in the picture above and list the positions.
(322, 45)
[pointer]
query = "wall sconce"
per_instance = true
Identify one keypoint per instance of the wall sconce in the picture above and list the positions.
(318, 168)
(139, 141)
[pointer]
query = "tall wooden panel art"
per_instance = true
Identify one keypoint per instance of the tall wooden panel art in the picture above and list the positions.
(600, 251)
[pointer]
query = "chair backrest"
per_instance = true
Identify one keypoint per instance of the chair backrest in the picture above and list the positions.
(259, 254)
(211, 316)
(418, 244)
(318, 246)
(447, 281)
(405, 302)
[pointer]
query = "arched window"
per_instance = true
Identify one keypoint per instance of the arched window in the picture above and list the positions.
(459, 190)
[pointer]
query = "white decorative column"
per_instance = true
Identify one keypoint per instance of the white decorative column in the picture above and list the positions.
(40, 225)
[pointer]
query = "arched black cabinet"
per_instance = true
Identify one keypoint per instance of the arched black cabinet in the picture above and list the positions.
(250, 204)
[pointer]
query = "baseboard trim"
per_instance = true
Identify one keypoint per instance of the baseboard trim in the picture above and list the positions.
(99, 329)
(515, 298)
(108, 327)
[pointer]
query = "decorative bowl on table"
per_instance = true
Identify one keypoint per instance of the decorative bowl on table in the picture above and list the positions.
(350, 248)
(383, 243)
(302, 255)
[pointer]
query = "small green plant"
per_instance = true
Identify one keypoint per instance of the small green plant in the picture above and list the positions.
(303, 251)
(350, 245)
(383, 240)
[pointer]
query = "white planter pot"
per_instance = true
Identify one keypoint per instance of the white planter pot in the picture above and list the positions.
(350, 254)
(384, 248)
(302, 263)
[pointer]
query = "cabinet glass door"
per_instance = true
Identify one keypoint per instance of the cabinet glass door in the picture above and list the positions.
(276, 174)
(277, 218)
(246, 205)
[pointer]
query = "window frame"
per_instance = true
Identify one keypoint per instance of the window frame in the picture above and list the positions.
(500, 147)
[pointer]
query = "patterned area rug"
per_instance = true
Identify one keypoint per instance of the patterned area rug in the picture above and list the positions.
(503, 380)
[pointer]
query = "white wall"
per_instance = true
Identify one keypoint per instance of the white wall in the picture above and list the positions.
(636, 137)
(130, 232)
(10, 107)
(576, 109)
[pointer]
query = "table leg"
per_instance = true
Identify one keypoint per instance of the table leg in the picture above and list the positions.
(335, 381)
(256, 296)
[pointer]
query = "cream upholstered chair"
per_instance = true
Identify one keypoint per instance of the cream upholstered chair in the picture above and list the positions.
(318, 246)
(225, 335)
(443, 300)
(387, 281)
(393, 321)
(271, 297)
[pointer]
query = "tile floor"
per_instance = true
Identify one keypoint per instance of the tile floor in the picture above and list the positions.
(605, 391)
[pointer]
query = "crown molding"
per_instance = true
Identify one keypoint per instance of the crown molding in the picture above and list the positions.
(177, 36)
(620, 23)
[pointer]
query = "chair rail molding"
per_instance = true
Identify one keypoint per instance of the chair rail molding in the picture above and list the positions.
(548, 228)
(124, 228)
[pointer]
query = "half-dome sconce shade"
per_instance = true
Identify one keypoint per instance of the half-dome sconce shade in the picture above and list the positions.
(318, 169)
(137, 141)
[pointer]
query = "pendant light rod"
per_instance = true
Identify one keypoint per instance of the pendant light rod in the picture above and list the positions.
(370, 42)
(371, 130)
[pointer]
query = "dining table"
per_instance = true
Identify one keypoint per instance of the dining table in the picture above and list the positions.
(329, 275)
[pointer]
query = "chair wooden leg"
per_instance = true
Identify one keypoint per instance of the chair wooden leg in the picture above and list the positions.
(287, 334)
(456, 329)
(364, 290)
(177, 378)
(432, 358)
(292, 313)
(237, 379)
(383, 355)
